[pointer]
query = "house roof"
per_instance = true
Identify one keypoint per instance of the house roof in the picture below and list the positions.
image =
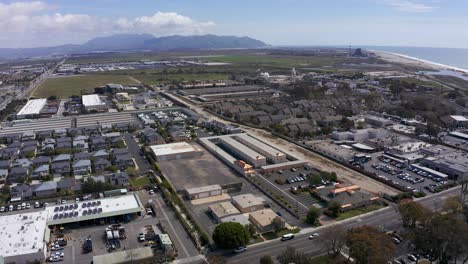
(46, 186)
(81, 163)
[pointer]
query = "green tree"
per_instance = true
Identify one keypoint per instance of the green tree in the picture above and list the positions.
(30, 154)
(251, 228)
(367, 245)
(333, 209)
(312, 216)
(412, 212)
(267, 259)
(230, 235)
(290, 255)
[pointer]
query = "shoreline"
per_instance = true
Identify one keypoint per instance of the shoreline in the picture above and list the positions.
(404, 59)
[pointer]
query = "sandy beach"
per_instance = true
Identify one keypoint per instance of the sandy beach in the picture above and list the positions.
(403, 59)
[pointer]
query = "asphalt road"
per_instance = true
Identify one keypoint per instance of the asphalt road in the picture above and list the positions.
(388, 217)
(135, 151)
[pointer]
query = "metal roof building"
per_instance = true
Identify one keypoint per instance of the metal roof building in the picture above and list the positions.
(173, 151)
(32, 108)
(93, 102)
(271, 153)
(249, 155)
(95, 209)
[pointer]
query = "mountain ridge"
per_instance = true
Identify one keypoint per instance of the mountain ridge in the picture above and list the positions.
(126, 42)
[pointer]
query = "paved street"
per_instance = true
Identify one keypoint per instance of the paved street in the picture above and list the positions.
(135, 151)
(168, 219)
(389, 217)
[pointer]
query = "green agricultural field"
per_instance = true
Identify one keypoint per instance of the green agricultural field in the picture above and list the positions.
(65, 87)
(155, 78)
(276, 61)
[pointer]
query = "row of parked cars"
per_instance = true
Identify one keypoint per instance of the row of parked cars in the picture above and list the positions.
(426, 174)
(18, 207)
(408, 178)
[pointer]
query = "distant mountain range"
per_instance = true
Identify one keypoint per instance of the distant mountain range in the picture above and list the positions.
(129, 42)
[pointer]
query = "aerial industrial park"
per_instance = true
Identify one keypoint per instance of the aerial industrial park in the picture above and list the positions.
(231, 156)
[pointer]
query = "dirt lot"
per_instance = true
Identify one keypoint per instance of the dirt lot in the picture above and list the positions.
(198, 172)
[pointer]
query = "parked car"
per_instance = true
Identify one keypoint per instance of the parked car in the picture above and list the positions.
(314, 235)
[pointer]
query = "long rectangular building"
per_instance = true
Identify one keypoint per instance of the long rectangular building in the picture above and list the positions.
(247, 154)
(92, 102)
(31, 109)
(272, 154)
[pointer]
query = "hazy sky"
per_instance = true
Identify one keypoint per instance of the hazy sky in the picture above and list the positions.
(433, 23)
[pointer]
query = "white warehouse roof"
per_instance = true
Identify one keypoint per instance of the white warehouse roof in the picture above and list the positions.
(172, 148)
(92, 100)
(32, 107)
(23, 233)
(95, 209)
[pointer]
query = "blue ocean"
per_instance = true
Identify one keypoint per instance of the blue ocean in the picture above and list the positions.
(447, 56)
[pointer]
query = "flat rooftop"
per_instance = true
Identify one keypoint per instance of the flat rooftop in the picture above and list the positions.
(22, 233)
(95, 209)
(247, 200)
(223, 209)
(32, 107)
(172, 148)
(264, 217)
(265, 148)
(252, 154)
(208, 188)
(92, 100)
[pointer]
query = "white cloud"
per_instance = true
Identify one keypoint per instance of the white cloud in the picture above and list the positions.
(31, 24)
(410, 6)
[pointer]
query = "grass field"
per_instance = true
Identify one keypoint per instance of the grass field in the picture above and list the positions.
(154, 78)
(65, 87)
(359, 211)
(140, 181)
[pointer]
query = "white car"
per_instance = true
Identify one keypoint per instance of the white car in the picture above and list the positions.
(2, 209)
(37, 205)
(28, 205)
(287, 237)
(239, 249)
(314, 235)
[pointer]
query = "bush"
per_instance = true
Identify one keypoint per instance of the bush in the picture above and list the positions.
(279, 181)
(312, 216)
(230, 235)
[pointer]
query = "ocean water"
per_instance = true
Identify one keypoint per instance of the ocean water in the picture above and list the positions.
(447, 56)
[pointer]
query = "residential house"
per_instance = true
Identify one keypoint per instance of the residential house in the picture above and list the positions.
(30, 143)
(80, 143)
(74, 132)
(28, 151)
(48, 188)
(177, 134)
(100, 165)
(82, 156)
(63, 146)
(68, 184)
(82, 167)
(91, 130)
(3, 175)
(120, 179)
(123, 161)
(5, 164)
(8, 138)
(41, 135)
(150, 136)
(62, 158)
(25, 163)
(21, 192)
(61, 168)
(40, 160)
(41, 171)
(98, 142)
(18, 174)
(9, 153)
(103, 154)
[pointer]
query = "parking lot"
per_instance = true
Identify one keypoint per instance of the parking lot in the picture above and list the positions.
(293, 180)
(410, 178)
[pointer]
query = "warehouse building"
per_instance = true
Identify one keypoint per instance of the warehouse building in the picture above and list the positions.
(264, 220)
(222, 210)
(95, 210)
(247, 154)
(273, 155)
(454, 164)
(92, 102)
(247, 203)
(175, 151)
(24, 237)
(32, 109)
(203, 192)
